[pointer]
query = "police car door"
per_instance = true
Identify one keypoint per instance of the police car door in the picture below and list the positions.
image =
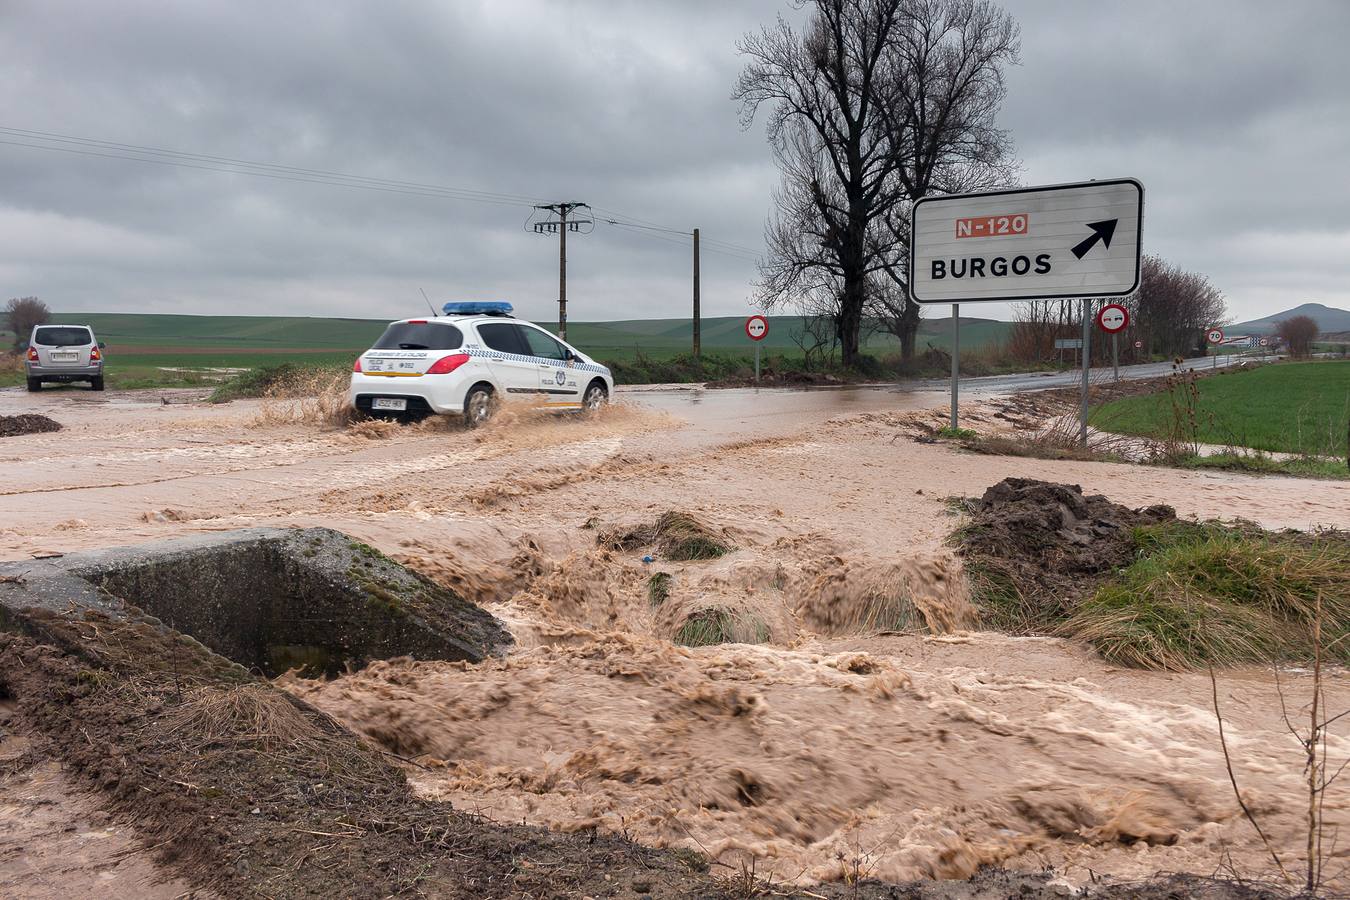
(557, 378)
(511, 361)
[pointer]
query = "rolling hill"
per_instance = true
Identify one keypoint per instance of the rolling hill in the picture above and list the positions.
(158, 334)
(1329, 319)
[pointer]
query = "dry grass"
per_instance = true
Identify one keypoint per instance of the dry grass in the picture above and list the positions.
(678, 536)
(258, 719)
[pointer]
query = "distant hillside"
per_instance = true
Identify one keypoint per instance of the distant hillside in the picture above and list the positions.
(1328, 319)
(154, 333)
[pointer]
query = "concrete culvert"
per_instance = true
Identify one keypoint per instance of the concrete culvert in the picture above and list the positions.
(271, 600)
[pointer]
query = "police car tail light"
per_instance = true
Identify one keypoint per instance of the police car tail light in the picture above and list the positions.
(356, 366)
(447, 364)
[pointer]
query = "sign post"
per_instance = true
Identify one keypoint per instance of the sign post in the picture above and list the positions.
(757, 329)
(1067, 241)
(1087, 367)
(1113, 319)
(956, 357)
(1215, 337)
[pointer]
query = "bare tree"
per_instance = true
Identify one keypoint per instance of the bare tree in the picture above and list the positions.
(875, 104)
(23, 314)
(1298, 333)
(1173, 308)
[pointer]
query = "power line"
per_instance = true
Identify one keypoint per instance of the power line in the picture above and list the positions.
(125, 151)
(94, 147)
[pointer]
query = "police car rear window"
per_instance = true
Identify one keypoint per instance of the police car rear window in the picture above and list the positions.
(425, 336)
(62, 337)
(503, 336)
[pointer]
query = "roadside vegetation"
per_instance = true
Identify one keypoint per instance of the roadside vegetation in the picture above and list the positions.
(1148, 590)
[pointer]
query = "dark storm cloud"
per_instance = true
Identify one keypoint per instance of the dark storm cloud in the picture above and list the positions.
(1233, 116)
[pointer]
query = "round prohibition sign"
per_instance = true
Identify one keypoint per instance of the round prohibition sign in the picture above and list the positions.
(1214, 335)
(757, 328)
(1113, 318)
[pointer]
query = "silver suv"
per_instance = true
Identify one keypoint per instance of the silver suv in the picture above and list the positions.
(64, 353)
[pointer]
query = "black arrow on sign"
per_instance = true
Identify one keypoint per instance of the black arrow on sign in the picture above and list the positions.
(1101, 231)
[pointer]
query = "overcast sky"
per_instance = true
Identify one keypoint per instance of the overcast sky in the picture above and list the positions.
(1236, 116)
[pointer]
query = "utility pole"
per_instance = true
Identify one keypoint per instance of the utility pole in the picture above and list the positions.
(697, 344)
(560, 226)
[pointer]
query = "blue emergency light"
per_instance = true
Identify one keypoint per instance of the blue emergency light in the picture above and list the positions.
(477, 308)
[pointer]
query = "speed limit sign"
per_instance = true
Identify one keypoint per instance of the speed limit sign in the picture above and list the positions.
(757, 328)
(1214, 335)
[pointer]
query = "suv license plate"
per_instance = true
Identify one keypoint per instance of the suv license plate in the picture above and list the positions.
(65, 356)
(398, 404)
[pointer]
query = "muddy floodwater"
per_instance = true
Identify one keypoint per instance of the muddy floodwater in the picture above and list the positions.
(861, 726)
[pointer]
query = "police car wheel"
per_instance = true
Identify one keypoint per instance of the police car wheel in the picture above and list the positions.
(595, 397)
(478, 405)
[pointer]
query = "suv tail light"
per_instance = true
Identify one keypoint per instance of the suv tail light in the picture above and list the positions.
(32, 355)
(447, 364)
(356, 366)
(94, 354)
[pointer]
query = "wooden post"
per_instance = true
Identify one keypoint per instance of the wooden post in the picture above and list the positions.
(698, 348)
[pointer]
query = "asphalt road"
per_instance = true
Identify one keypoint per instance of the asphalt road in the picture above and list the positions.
(1038, 381)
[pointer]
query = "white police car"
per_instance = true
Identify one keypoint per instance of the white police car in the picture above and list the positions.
(467, 360)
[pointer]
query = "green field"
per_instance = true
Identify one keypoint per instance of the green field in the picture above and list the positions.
(618, 340)
(1288, 408)
(141, 347)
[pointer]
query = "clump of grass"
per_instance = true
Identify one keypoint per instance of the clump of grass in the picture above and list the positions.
(678, 536)
(887, 611)
(715, 625)
(1207, 594)
(658, 588)
(957, 434)
(681, 537)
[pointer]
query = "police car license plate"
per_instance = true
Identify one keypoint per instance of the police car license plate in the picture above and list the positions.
(391, 403)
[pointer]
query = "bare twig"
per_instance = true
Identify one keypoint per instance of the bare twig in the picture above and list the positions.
(1228, 762)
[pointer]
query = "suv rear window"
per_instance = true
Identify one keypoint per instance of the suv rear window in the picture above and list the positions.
(426, 336)
(58, 336)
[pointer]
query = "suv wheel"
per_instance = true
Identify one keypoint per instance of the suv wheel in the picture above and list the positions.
(35, 384)
(478, 405)
(596, 397)
(96, 382)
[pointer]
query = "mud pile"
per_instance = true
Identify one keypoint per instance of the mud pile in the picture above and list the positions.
(27, 423)
(1048, 544)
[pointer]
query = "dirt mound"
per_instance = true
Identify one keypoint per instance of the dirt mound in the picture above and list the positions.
(242, 789)
(1045, 545)
(27, 423)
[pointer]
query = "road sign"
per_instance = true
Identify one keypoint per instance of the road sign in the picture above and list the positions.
(1139, 345)
(757, 328)
(1068, 240)
(1068, 343)
(1265, 342)
(1112, 318)
(1214, 335)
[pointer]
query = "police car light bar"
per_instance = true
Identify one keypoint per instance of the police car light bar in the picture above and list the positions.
(477, 308)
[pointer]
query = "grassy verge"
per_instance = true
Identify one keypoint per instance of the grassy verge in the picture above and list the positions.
(1301, 408)
(1259, 463)
(1208, 594)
